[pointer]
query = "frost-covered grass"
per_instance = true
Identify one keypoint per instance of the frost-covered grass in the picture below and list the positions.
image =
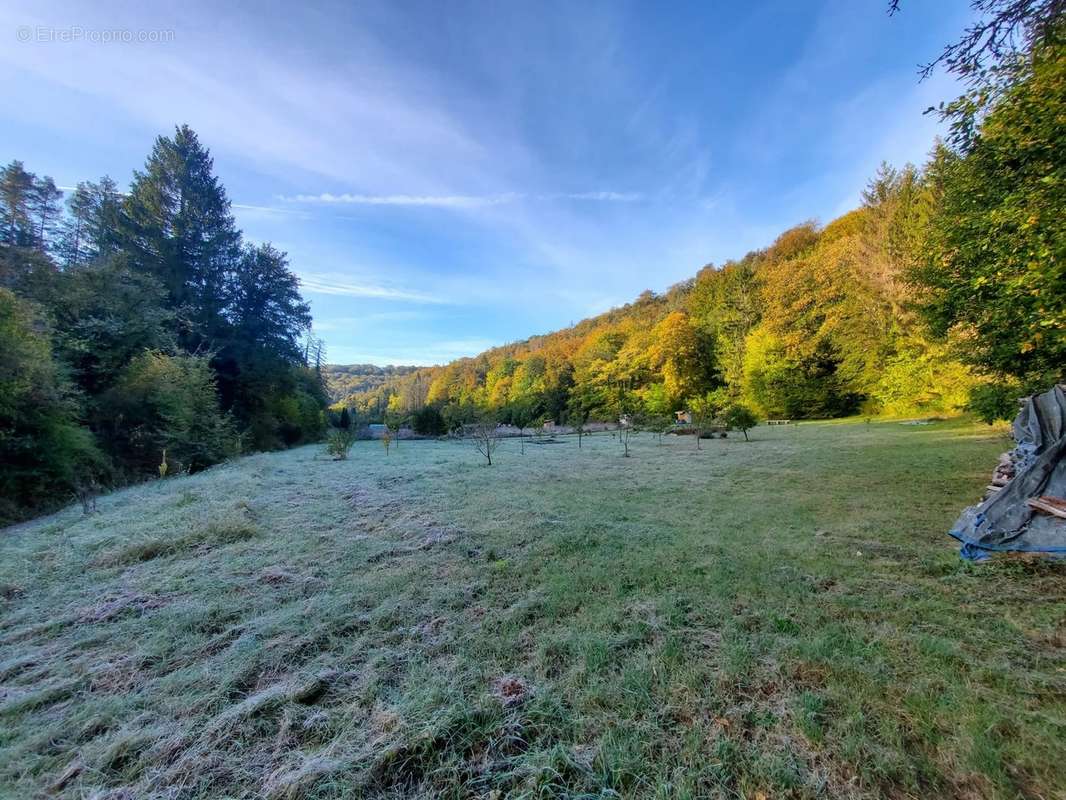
(773, 619)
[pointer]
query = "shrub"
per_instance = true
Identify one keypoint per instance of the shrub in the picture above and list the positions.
(339, 443)
(994, 401)
(427, 421)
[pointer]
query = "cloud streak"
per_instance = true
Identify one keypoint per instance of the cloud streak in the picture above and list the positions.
(332, 284)
(456, 200)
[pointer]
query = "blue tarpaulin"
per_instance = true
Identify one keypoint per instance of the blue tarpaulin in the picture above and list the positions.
(1004, 521)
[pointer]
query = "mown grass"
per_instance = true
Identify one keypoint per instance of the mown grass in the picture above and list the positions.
(784, 618)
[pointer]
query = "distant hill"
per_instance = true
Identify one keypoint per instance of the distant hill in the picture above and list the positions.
(818, 324)
(343, 380)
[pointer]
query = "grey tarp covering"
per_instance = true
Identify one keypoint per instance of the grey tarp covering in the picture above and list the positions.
(1004, 521)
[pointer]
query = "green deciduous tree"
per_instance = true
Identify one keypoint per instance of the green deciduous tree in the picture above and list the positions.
(44, 452)
(739, 417)
(993, 269)
(163, 402)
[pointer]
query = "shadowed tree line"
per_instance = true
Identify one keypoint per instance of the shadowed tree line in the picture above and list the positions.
(137, 323)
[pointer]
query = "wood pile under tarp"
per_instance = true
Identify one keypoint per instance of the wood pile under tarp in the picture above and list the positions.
(1025, 506)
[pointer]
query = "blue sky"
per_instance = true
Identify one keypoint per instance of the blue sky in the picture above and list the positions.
(450, 176)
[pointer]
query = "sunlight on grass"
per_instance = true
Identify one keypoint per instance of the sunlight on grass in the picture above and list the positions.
(785, 617)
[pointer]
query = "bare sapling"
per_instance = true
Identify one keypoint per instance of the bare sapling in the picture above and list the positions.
(485, 437)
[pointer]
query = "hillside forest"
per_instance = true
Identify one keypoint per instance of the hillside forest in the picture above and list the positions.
(343, 380)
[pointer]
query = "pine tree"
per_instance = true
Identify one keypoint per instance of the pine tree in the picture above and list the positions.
(91, 227)
(177, 226)
(45, 206)
(16, 192)
(264, 304)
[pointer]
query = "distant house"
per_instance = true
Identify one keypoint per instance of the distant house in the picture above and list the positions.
(377, 430)
(683, 417)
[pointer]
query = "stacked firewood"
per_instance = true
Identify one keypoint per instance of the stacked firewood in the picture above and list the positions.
(1001, 475)
(1004, 474)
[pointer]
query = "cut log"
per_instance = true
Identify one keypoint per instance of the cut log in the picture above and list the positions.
(1055, 506)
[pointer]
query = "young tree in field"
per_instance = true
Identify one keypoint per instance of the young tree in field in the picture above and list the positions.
(339, 443)
(704, 413)
(627, 427)
(394, 420)
(739, 417)
(659, 424)
(521, 415)
(579, 408)
(485, 437)
(578, 424)
(630, 417)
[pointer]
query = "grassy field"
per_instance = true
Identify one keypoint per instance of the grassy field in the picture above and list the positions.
(780, 618)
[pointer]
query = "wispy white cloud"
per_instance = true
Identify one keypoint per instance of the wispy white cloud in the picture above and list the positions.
(267, 209)
(455, 200)
(336, 284)
(611, 197)
(443, 201)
